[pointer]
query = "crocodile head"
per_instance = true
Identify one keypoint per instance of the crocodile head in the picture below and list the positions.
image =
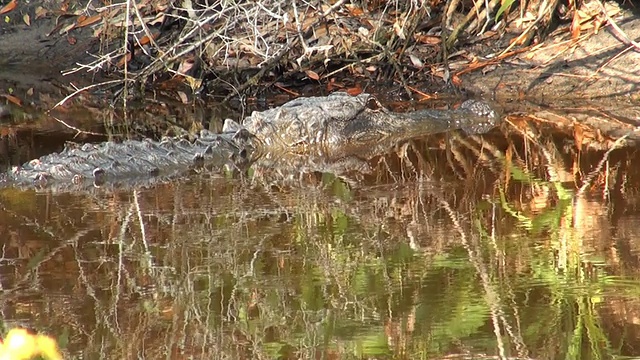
(305, 123)
(340, 122)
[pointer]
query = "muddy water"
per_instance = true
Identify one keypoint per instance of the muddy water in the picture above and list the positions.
(457, 247)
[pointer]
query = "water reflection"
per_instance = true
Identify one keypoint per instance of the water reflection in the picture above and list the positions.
(449, 247)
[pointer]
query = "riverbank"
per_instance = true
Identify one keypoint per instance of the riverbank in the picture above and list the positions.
(582, 82)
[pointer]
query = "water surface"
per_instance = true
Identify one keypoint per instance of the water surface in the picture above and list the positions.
(456, 247)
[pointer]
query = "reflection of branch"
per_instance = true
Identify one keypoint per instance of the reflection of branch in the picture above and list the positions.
(605, 158)
(492, 297)
(27, 277)
(148, 256)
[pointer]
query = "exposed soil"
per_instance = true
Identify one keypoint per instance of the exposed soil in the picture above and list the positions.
(593, 83)
(34, 55)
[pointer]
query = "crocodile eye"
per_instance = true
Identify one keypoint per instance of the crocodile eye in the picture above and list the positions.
(373, 104)
(98, 175)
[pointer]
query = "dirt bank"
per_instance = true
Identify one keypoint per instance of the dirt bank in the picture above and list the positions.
(35, 48)
(593, 82)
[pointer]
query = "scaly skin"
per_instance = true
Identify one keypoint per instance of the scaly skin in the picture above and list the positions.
(331, 127)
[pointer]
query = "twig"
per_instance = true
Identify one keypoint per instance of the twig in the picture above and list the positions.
(83, 89)
(78, 131)
(279, 55)
(268, 66)
(615, 26)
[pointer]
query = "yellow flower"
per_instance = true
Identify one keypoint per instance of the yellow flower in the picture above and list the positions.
(48, 348)
(20, 345)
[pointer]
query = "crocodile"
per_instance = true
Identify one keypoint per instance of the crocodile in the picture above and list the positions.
(330, 127)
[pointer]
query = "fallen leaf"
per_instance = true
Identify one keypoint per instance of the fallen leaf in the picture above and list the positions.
(158, 20)
(416, 61)
(71, 40)
(575, 25)
(399, 30)
(183, 97)
(88, 20)
(13, 99)
(26, 19)
(578, 136)
(331, 84)
(40, 12)
(194, 83)
(354, 91)
(145, 39)
(455, 80)
(185, 66)
(312, 74)
(354, 10)
(10, 6)
(123, 59)
(429, 39)
(67, 28)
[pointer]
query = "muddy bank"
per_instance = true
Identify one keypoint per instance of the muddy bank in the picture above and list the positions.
(589, 84)
(35, 48)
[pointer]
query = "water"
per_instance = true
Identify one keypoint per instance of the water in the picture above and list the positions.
(430, 256)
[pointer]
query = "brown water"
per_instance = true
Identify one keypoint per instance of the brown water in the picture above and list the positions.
(484, 250)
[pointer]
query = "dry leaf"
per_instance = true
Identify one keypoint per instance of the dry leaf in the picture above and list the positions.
(183, 97)
(354, 91)
(578, 136)
(146, 40)
(429, 39)
(354, 10)
(67, 28)
(40, 12)
(398, 30)
(10, 6)
(575, 25)
(26, 19)
(185, 66)
(194, 83)
(71, 40)
(455, 80)
(85, 21)
(13, 99)
(416, 61)
(312, 75)
(159, 19)
(122, 60)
